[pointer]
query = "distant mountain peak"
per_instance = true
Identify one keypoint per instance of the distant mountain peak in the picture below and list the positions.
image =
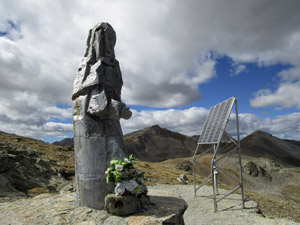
(164, 132)
(261, 132)
(65, 142)
(154, 129)
(261, 143)
(156, 144)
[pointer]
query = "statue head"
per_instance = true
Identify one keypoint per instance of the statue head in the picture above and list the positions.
(101, 42)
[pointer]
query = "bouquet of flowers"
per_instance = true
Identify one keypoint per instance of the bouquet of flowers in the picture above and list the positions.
(126, 178)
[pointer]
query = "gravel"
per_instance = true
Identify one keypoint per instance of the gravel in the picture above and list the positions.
(201, 210)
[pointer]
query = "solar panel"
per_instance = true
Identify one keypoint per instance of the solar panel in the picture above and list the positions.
(216, 121)
(212, 132)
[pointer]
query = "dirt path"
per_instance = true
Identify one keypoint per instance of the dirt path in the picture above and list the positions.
(201, 211)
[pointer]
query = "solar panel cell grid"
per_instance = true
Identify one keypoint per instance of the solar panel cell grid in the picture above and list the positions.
(215, 122)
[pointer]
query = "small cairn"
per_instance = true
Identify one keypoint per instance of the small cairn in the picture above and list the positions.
(130, 190)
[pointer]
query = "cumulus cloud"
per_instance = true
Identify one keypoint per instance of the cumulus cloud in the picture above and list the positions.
(47, 129)
(22, 119)
(190, 122)
(166, 50)
(287, 95)
(290, 75)
(187, 121)
(237, 69)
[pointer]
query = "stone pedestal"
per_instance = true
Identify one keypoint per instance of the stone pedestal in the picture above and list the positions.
(162, 210)
(147, 210)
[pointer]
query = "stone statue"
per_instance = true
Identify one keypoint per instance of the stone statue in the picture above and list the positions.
(97, 109)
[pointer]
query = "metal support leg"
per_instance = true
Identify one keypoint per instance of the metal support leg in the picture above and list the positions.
(194, 171)
(215, 172)
(241, 179)
(240, 153)
(213, 169)
(194, 174)
(216, 181)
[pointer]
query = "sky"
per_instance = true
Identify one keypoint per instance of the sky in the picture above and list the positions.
(178, 59)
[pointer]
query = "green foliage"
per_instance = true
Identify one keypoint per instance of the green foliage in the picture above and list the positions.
(122, 170)
(126, 178)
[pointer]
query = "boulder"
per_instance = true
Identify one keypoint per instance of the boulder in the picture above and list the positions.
(143, 210)
(153, 210)
(125, 205)
(183, 178)
(162, 210)
(255, 170)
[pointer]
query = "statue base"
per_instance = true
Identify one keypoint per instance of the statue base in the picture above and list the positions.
(125, 205)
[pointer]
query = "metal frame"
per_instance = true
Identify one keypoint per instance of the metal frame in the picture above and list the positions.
(216, 163)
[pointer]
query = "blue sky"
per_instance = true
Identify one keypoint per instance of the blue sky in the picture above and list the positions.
(243, 85)
(177, 58)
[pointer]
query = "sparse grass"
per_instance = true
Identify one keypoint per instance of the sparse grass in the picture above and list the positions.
(61, 158)
(162, 173)
(36, 191)
(292, 192)
(277, 209)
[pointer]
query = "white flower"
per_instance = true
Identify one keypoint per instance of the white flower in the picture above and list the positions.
(119, 168)
(126, 160)
(130, 185)
(119, 189)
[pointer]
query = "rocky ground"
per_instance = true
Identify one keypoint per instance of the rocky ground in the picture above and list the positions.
(61, 209)
(24, 171)
(200, 210)
(276, 190)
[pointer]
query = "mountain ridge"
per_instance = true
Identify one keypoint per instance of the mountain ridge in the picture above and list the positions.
(261, 143)
(155, 144)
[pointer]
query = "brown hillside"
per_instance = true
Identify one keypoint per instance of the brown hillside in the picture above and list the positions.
(29, 166)
(61, 158)
(154, 144)
(262, 144)
(65, 142)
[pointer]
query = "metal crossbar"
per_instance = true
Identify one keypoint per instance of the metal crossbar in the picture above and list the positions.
(212, 133)
(229, 193)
